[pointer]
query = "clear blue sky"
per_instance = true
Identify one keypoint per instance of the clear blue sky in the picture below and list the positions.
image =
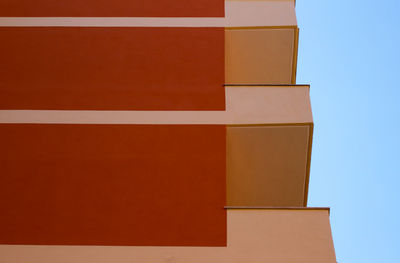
(350, 54)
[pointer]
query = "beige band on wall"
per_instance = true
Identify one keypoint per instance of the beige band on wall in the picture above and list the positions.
(238, 14)
(262, 35)
(244, 104)
(253, 236)
(265, 124)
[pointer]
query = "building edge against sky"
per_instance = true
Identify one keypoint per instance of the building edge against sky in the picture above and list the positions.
(82, 194)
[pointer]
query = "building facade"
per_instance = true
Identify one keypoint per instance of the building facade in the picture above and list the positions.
(155, 131)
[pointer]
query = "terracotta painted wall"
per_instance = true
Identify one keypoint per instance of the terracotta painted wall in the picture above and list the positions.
(112, 185)
(112, 8)
(127, 68)
(146, 184)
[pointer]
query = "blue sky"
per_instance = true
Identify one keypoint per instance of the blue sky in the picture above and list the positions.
(350, 54)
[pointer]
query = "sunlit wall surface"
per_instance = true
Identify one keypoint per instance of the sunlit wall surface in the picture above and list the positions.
(163, 131)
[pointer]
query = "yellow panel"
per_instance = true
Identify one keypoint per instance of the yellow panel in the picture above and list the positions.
(267, 165)
(259, 56)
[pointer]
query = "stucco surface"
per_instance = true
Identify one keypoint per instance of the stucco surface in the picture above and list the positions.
(257, 236)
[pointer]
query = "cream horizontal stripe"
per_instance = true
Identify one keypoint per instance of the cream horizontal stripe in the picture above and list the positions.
(238, 14)
(252, 236)
(244, 105)
(111, 22)
(112, 117)
(133, 117)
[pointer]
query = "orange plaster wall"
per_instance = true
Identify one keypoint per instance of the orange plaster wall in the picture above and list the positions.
(153, 185)
(112, 8)
(112, 68)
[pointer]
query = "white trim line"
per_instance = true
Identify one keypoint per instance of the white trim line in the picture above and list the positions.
(113, 117)
(244, 105)
(111, 22)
